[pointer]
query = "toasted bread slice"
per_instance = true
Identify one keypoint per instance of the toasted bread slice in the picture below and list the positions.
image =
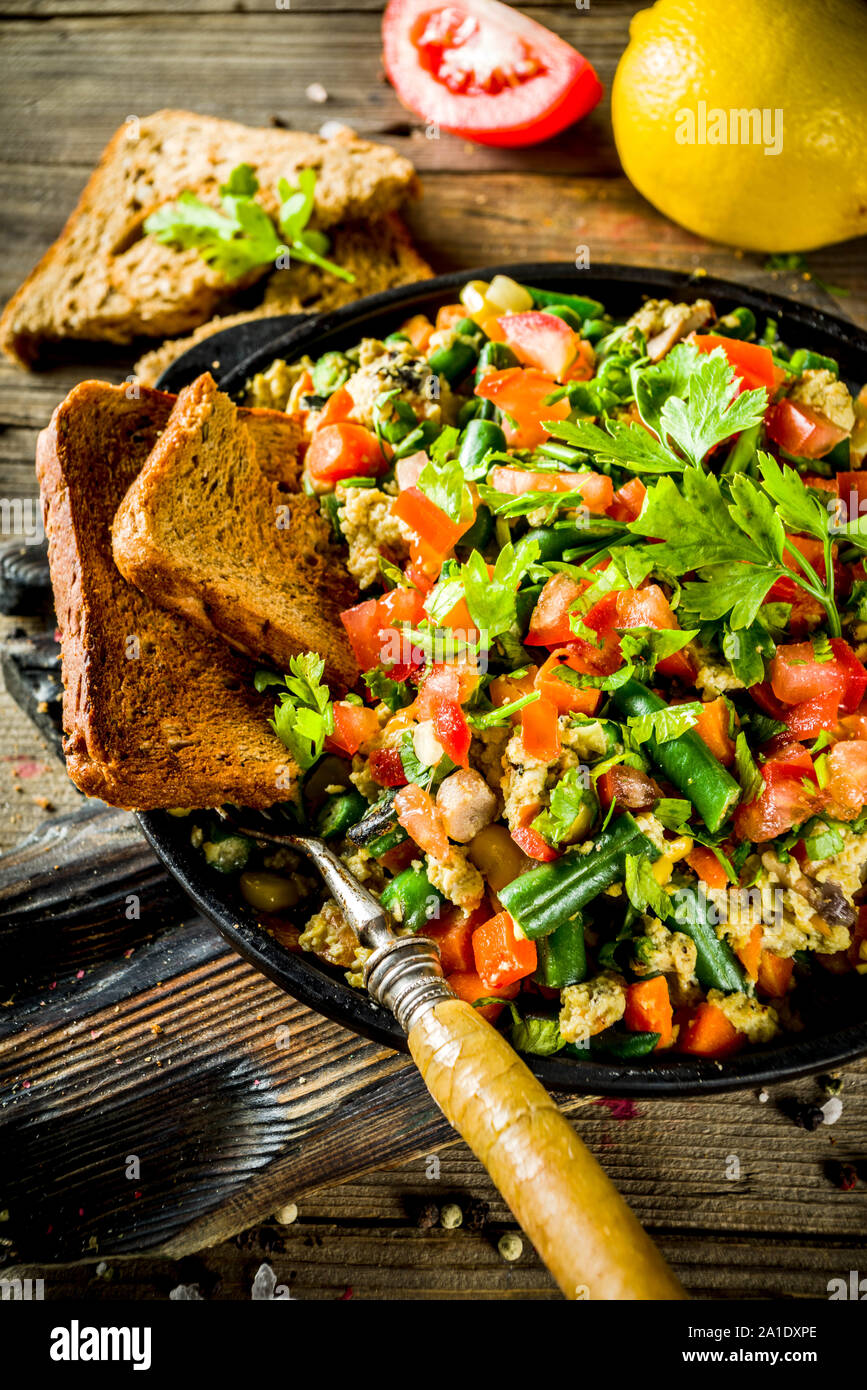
(104, 279)
(203, 531)
(155, 713)
(380, 255)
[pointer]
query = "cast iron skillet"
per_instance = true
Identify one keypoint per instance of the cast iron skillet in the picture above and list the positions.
(836, 1026)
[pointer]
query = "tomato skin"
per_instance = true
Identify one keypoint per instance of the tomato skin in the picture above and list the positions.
(751, 362)
(469, 986)
(519, 392)
(789, 794)
(796, 675)
(417, 813)
(529, 840)
(435, 532)
(362, 627)
(847, 778)
(648, 607)
(540, 340)
(628, 501)
(386, 768)
(337, 411)
(344, 451)
(353, 726)
(810, 717)
(852, 491)
(549, 621)
(853, 674)
(439, 699)
(533, 84)
(596, 489)
(567, 699)
(802, 431)
(371, 629)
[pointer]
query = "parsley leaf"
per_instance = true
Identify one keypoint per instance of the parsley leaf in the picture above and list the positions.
(496, 715)
(664, 724)
(573, 803)
(394, 695)
(746, 769)
(629, 446)
(652, 385)
(642, 889)
(445, 485)
(491, 599)
(713, 411)
(305, 716)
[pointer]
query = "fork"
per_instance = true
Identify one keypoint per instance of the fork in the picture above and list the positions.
(578, 1222)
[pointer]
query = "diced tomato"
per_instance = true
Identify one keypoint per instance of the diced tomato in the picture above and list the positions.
(707, 867)
(440, 697)
(435, 532)
(386, 768)
(408, 471)
(344, 451)
(706, 1032)
(453, 933)
(540, 340)
(504, 689)
(520, 392)
(418, 328)
(337, 410)
(362, 626)
(501, 955)
(847, 778)
(599, 660)
(448, 315)
(648, 1009)
(775, 973)
(789, 795)
(628, 788)
(628, 501)
(584, 364)
(596, 489)
(540, 730)
(417, 812)
(529, 840)
(853, 675)
(801, 431)
(648, 607)
(566, 698)
(751, 362)
(712, 728)
(469, 986)
(852, 491)
(549, 622)
(796, 675)
(353, 726)
(485, 71)
(811, 717)
(767, 701)
(749, 954)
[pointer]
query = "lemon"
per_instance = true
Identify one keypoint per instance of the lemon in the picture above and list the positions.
(746, 121)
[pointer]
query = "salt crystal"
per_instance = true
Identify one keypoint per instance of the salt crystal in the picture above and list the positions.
(264, 1283)
(316, 92)
(832, 1110)
(186, 1293)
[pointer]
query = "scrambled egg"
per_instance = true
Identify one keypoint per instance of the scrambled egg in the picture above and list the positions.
(667, 952)
(330, 936)
(388, 369)
(592, 1007)
(486, 754)
(365, 518)
(714, 677)
(821, 390)
(458, 879)
(664, 324)
(760, 1022)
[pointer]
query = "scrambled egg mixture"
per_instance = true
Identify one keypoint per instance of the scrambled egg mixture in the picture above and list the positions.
(623, 792)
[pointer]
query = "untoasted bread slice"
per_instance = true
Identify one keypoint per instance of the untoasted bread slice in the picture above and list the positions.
(204, 532)
(155, 713)
(380, 255)
(103, 279)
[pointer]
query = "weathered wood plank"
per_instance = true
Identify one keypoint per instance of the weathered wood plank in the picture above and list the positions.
(252, 67)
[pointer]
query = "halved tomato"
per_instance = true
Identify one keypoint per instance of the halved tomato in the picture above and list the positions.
(485, 71)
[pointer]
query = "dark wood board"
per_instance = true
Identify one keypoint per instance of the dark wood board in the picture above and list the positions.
(335, 1124)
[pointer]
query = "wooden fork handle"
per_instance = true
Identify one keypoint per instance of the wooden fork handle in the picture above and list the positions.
(578, 1222)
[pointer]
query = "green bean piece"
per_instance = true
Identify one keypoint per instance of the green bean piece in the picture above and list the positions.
(541, 899)
(525, 602)
(419, 438)
(552, 541)
(379, 818)
(477, 441)
(479, 534)
(562, 956)
(412, 900)
(568, 315)
(715, 964)
(740, 323)
(594, 329)
(585, 308)
(339, 813)
(459, 356)
(330, 372)
(397, 339)
(741, 455)
(685, 760)
(471, 410)
(621, 1045)
(803, 360)
(383, 843)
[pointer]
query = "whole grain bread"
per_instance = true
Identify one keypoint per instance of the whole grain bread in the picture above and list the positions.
(155, 713)
(104, 279)
(380, 255)
(204, 532)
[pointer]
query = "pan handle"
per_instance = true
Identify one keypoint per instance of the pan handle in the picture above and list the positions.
(576, 1219)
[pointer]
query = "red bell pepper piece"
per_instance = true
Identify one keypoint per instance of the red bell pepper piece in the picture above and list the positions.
(501, 956)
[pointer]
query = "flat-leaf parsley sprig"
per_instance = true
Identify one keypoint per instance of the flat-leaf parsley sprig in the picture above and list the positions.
(239, 236)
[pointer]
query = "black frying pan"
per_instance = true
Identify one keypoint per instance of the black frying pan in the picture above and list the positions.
(836, 1016)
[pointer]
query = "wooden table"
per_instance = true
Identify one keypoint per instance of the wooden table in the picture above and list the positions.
(71, 72)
